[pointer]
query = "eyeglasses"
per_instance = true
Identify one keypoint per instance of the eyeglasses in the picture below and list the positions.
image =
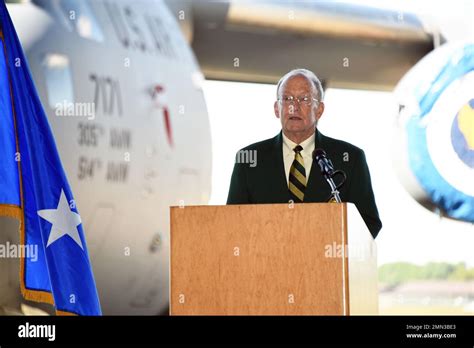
(290, 100)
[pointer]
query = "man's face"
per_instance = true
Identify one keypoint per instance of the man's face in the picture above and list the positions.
(298, 117)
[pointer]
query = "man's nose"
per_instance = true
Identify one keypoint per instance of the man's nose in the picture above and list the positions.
(295, 107)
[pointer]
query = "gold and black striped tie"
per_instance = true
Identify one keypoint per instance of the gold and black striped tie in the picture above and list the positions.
(297, 179)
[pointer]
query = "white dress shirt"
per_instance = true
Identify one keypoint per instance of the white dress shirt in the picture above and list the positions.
(306, 153)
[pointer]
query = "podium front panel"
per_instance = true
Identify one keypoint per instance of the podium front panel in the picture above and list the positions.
(266, 259)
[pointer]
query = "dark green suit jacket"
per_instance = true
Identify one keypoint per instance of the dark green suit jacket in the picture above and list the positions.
(266, 182)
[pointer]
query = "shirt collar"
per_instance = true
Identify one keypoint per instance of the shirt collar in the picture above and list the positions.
(307, 144)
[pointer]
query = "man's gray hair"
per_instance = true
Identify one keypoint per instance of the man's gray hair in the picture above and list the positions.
(311, 76)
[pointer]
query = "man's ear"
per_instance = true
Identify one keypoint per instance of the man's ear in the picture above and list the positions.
(320, 110)
(276, 109)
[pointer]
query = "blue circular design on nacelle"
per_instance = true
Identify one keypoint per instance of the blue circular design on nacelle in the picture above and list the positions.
(462, 134)
(448, 182)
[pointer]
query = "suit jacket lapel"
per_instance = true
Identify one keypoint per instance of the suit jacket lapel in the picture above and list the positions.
(316, 188)
(281, 187)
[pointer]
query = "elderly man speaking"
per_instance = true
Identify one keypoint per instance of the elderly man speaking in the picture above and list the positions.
(285, 170)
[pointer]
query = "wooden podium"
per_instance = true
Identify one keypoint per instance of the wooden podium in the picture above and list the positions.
(272, 259)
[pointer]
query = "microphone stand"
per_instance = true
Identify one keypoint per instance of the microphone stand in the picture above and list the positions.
(333, 186)
(327, 170)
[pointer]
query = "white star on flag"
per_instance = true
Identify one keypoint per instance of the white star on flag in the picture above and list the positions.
(64, 221)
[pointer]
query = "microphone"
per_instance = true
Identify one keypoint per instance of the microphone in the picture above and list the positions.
(327, 170)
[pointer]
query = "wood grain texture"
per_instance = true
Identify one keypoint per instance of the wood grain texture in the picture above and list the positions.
(267, 259)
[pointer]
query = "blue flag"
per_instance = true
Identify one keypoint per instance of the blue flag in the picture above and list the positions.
(34, 189)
